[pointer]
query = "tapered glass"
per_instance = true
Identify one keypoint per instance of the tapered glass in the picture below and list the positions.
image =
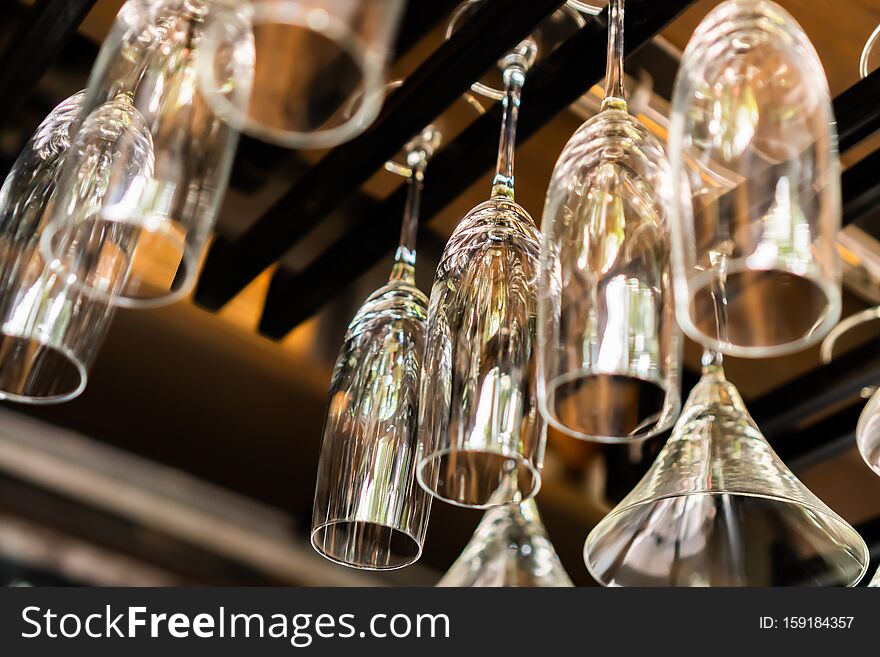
(609, 347)
(49, 331)
(158, 227)
(481, 439)
(288, 71)
(719, 508)
(752, 137)
(369, 511)
(510, 548)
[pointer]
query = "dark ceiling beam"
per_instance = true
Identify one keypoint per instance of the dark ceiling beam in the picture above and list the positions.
(812, 396)
(857, 111)
(555, 83)
(446, 74)
(47, 27)
(256, 160)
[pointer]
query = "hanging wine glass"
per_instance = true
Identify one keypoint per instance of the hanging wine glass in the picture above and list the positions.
(868, 433)
(160, 232)
(609, 347)
(285, 70)
(481, 438)
(754, 248)
(50, 332)
(719, 508)
(875, 581)
(509, 548)
(369, 510)
(870, 57)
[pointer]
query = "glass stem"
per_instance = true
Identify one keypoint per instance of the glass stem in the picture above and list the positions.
(712, 361)
(615, 95)
(514, 77)
(405, 257)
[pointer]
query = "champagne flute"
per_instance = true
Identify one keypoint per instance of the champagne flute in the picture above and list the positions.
(370, 512)
(481, 439)
(161, 230)
(49, 334)
(609, 347)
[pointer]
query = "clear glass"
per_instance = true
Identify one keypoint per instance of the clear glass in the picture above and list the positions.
(287, 71)
(161, 230)
(49, 332)
(481, 437)
(609, 347)
(752, 136)
(868, 433)
(510, 548)
(719, 508)
(875, 582)
(870, 57)
(370, 512)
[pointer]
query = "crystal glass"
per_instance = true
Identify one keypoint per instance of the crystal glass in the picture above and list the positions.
(719, 508)
(875, 581)
(752, 137)
(370, 512)
(481, 439)
(609, 347)
(510, 547)
(160, 231)
(870, 57)
(49, 332)
(286, 70)
(868, 433)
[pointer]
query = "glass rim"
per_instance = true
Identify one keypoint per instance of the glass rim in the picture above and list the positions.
(827, 513)
(670, 415)
(364, 565)
(868, 413)
(832, 316)
(439, 454)
(368, 62)
(47, 400)
(189, 261)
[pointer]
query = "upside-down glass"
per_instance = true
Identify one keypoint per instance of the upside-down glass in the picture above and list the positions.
(719, 508)
(481, 439)
(510, 547)
(752, 135)
(369, 511)
(609, 347)
(287, 70)
(158, 228)
(868, 433)
(50, 331)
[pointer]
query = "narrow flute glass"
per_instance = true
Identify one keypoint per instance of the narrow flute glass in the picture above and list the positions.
(609, 347)
(753, 153)
(481, 439)
(370, 512)
(49, 333)
(719, 508)
(161, 230)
